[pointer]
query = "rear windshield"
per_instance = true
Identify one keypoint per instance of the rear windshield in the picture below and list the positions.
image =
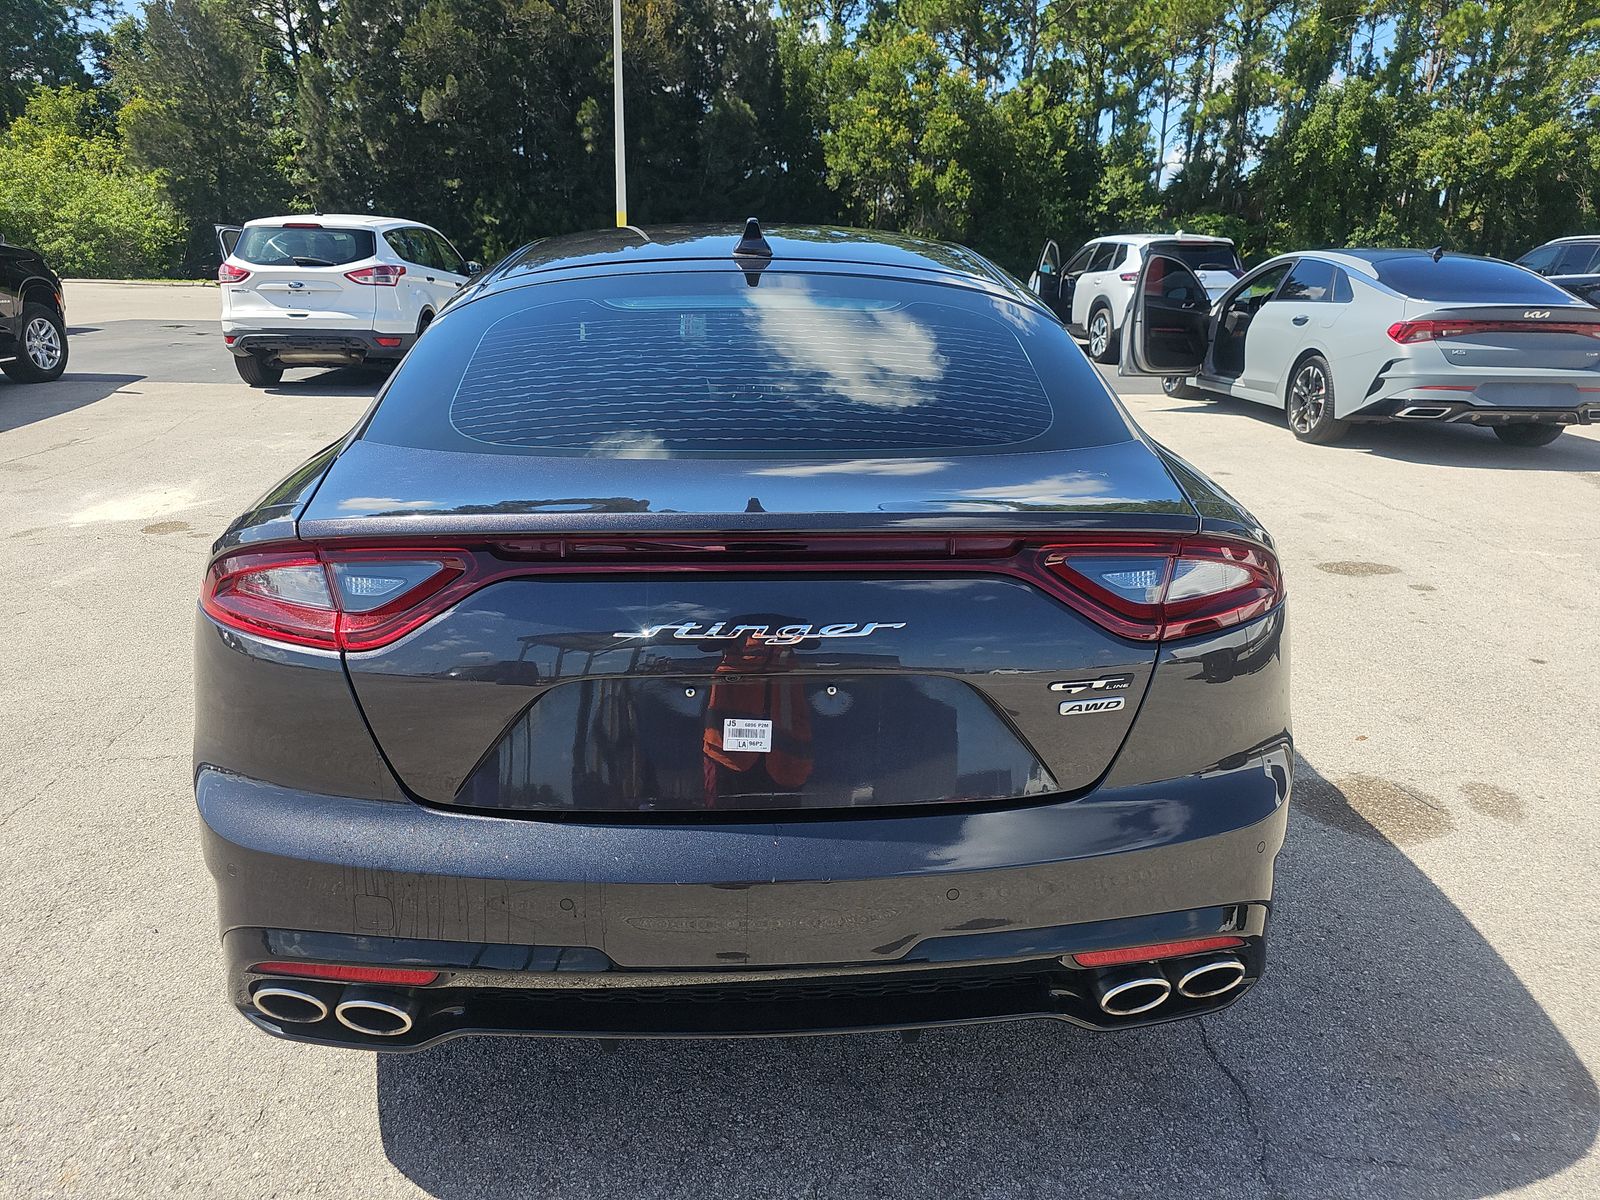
(1203, 257)
(1469, 279)
(283, 246)
(702, 362)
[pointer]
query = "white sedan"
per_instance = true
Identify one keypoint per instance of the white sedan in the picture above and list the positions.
(1333, 337)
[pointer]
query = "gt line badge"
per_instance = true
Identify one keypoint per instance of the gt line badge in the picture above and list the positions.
(1106, 683)
(1072, 708)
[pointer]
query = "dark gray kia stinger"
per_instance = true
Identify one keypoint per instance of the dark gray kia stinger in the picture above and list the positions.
(710, 635)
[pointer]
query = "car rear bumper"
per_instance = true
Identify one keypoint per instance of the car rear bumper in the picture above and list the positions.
(732, 928)
(320, 347)
(1450, 409)
(1409, 391)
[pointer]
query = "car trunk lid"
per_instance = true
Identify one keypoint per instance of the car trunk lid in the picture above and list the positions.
(1504, 335)
(751, 634)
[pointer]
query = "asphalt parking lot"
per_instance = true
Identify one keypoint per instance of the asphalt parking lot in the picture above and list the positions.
(1428, 1027)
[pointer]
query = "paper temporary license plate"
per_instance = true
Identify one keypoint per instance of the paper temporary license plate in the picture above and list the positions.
(747, 736)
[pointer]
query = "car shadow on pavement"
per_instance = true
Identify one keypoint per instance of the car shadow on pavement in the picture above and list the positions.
(336, 381)
(1389, 1051)
(1426, 443)
(24, 403)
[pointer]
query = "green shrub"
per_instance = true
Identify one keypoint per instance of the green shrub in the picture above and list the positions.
(66, 191)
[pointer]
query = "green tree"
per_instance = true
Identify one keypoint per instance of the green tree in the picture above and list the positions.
(199, 110)
(912, 142)
(66, 191)
(40, 45)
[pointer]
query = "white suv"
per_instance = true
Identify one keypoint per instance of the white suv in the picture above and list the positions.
(1091, 293)
(330, 291)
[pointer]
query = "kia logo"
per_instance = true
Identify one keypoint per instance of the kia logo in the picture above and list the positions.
(1536, 314)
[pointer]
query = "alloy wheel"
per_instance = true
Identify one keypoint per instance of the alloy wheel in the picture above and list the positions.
(42, 343)
(1307, 397)
(1099, 334)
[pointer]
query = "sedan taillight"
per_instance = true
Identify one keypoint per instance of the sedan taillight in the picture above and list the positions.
(330, 599)
(333, 597)
(1432, 329)
(1152, 591)
(382, 275)
(228, 273)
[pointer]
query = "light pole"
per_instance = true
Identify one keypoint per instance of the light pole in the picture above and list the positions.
(616, 94)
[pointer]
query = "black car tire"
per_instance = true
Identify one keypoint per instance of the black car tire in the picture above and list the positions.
(42, 349)
(1308, 403)
(1107, 353)
(256, 371)
(1528, 433)
(1174, 386)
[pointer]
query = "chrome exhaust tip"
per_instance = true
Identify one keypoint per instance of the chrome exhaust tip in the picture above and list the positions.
(1214, 975)
(376, 1013)
(292, 1005)
(1129, 991)
(1423, 412)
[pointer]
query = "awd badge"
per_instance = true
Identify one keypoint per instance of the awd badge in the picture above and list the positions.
(1072, 708)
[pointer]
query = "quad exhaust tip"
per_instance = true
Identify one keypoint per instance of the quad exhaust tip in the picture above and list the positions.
(376, 1014)
(289, 1004)
(1214, 975)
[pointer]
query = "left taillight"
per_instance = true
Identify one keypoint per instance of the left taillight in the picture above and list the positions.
(331, 599)
(1156, 590)
(228, 273)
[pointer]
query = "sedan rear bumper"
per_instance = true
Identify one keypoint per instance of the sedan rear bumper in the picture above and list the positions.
(1442, 408)
(1407, 389)
(728, 928)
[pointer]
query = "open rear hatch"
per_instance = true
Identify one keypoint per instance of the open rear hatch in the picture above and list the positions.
(916, 649)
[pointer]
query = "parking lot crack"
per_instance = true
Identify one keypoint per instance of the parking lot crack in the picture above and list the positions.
(1247, 1106)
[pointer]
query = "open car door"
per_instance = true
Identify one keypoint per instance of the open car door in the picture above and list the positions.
(1169, 325)
(1047, 284)
(227, 238)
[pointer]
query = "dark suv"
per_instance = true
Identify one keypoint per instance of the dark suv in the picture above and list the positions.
(1570, 262)
(33, 317)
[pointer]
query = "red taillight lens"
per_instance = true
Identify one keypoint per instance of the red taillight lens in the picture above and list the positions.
(338, 598)
(1139, 954)
(332, 600)
(1128, 276)
(1411, 332)
(388, 343)
(402, 976)
(1156, 590)
(228, 273)
(382, 275)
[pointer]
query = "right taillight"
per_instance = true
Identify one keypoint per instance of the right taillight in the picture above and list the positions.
(382, 275)
(1155, 590)
(228, 273)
